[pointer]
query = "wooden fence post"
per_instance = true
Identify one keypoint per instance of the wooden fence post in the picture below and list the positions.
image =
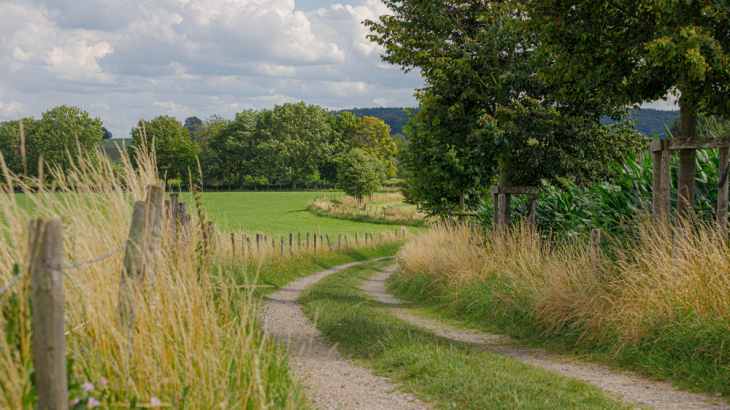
(396, 231)
(233, 244)
(299, 240)
(595, 247)
(46, 294)
(356, 241)
(315, 243)
(258, 241)
(533, 211)
(366, 238)
(282, 248)
(328, 243)
(346, 245)
(722, 193)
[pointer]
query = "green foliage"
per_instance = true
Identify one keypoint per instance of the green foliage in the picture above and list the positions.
(632, 51)
(66, 130)
(371, 135)
(484, 111)
(360, 174)
(395, 117)
(294, 139)
(617, 208)
(707, 127)
(174, 149)
(10, 146)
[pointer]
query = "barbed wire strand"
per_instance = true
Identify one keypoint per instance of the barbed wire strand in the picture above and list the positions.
(76, 265)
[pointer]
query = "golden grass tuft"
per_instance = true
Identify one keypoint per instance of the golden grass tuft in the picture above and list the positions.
(631, 289)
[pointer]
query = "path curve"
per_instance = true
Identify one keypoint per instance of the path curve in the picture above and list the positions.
(331, 382)
(631, 388)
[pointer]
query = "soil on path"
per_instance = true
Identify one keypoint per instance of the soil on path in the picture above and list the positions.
(331, 382)
(631, 388)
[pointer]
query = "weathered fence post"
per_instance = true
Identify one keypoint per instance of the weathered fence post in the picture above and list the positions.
(307, 241)
(291, 243)
(46, 293)
(328, 243)
(258, 241)
(722, 193)
(366, 238)
(299, 240)
(233, 244)
(339, 243)
(282, 248)
(315, 243)
(356, 238)
(595, 247)
(533, 211)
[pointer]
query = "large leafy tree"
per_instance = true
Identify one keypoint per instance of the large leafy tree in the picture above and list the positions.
(176, 153)
(360, 173)
(373, 137)
(294, 139)
(633, 51)
(64, 130)
(483, 102)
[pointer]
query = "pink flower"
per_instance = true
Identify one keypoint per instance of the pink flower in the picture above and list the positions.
(103, 381)
(155, 401)
(74, 402)
(92, 403)
(88, 386)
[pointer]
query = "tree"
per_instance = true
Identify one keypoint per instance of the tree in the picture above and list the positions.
(192, 123)
(371, 135)
(174, 150)
(234, 145)
(360, 174)
(63, 130)
(107, 134)
(634, 51)
(11, 150)
(483, 103)
(295, 139)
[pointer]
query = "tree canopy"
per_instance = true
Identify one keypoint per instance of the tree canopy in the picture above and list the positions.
(360, 173)
(484, 103)
(176, 153)
(634, 51)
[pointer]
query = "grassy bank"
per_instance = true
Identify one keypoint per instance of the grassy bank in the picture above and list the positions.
(387, 209)
(637, 307)
(449, 374)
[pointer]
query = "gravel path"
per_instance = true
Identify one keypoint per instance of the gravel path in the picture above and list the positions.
(332, 382)
(632, 388)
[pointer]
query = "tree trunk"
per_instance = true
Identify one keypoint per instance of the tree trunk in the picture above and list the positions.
(293, 183)
(687, 159)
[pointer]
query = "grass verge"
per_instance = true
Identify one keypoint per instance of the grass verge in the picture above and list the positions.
(635, 307)
(447, 373)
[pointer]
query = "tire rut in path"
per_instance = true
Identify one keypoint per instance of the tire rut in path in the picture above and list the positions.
(631, 388)
(331, 382)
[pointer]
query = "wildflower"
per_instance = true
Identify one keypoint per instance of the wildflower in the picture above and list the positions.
(103, 381)
(88, 386)
(92, 403)
(74, 402)
(155, 401)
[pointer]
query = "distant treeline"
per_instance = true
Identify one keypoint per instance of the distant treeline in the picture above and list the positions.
(395, 117)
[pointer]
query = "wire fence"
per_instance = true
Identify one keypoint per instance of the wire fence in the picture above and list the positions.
(75, 265)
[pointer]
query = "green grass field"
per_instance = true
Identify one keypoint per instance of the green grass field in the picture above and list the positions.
(278, 213)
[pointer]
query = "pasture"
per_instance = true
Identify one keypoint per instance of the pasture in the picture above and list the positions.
(278, 213)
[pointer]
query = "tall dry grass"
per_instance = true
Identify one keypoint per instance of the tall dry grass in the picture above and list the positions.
(196, 342)
(638, 301)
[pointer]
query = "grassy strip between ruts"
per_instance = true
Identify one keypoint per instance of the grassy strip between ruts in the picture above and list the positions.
(447, 373)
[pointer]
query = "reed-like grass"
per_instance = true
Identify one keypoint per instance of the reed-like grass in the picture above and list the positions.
(641, 303)
(197, 341)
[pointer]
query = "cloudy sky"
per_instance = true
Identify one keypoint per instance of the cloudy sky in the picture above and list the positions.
(125, 59)
(142, 58)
